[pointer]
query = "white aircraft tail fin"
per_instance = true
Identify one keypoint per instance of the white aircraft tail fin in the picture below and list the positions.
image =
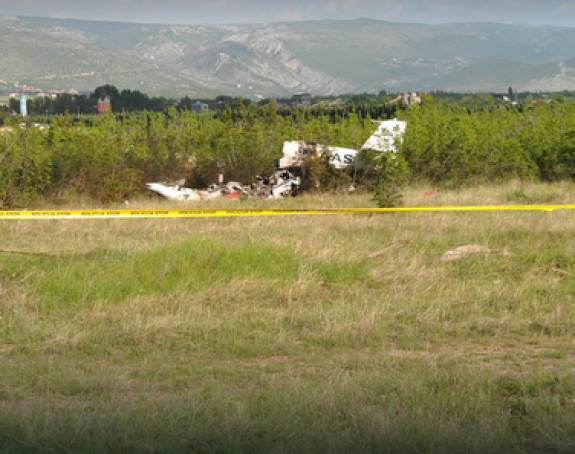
(384, 138)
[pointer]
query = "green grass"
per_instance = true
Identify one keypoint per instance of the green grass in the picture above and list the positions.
(292, 334)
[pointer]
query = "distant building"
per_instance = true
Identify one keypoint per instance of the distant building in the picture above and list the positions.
(303, 99)
(104, 105)
(407, 99)
(410, 98)
(199, 107)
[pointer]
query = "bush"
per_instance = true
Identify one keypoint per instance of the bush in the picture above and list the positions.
(25, 167)
(388, 175)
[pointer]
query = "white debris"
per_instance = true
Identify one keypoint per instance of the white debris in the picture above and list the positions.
(280, 184)
(174, 192)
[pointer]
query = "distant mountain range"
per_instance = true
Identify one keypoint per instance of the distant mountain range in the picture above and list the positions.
(280, 59)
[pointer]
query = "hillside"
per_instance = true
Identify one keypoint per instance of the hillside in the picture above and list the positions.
(491, 75)
(322, 57)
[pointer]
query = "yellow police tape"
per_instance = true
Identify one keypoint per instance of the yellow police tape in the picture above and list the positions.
(203, 213)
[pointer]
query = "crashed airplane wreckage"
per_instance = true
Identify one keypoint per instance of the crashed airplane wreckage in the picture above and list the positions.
(284, 182)
(281, 184)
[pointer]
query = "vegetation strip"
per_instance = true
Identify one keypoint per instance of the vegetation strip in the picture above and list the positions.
(78, 214)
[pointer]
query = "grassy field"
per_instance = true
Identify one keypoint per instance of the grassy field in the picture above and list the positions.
(337, 333)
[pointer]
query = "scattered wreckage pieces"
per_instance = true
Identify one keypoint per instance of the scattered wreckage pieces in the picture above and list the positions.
(280, 184)
(174, 191)
(230, 190)
(178, 193)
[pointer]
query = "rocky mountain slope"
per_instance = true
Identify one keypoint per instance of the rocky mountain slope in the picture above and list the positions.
(278, 59)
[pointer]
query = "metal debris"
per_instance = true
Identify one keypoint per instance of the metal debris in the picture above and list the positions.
(281, 184)
(174, 191)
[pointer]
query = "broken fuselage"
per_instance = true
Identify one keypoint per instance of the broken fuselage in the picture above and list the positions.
(383, 140)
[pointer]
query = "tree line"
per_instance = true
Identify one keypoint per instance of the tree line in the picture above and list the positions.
(133, 100)
(121, 101)
(84, 104)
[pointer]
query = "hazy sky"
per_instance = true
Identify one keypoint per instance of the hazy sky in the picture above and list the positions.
(536, 12)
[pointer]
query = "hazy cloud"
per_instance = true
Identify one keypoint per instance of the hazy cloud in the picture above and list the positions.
(539, 12)
(565, 8)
